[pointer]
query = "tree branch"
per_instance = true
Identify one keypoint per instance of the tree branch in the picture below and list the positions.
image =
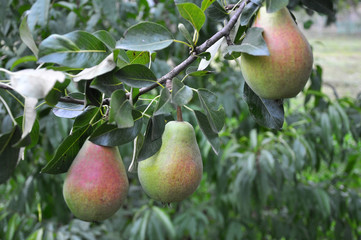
(200, 49)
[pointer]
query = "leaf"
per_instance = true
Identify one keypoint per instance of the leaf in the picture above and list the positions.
(153, 137)
(185, 33)
(140, 57)
(216, 12)
(206, 128)
(67, 151)
(268, 113)
(275, 5)
(110, 135)
(206, 4)
(181, 94)
(78, 49)
(214, 112)
(86, 117)
(163, 106)
(69, 110)
(32, 138)
(105, 66)
(29, 115)
(35, 83)
(165, 220)
(27, 37)
(39, 14)
(107, 83)
(252, 44)
(321, 6)
(192, 71)
(52, 98)
(212, 50)
(249, 10)
(9, 155)
(193, 14)
(136, 75)
(146, 36)
(23, 60)
(120, 110)
(106, 38)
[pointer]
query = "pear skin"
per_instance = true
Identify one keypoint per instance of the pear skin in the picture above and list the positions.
(285, 72)
(96, 183)
(175, 171)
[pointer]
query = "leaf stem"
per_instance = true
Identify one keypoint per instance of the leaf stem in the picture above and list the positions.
(8, 110)
(179, 114)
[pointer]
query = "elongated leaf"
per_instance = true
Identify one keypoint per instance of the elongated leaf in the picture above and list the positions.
(106, 38)
(120, 110)
(84, 119)
(105, 66)
(110, 135)
(146, 36)
(27, 37)
(67, 151)
(193, 14)
(248, 12)
(214, 112)
(163, 106)
(181, 94)
(39, 14)
(78, 49)
(206, 4)
(321, 6)
(185, 33)
(268, 113)
(252, 44)
(136, 75)
(275, 5)
(23, 60)
(107, 83)
(153, 137)
(9, 155)
(69, 110)
(206, 128)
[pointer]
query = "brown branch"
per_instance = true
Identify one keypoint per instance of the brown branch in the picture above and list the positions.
(200, 49)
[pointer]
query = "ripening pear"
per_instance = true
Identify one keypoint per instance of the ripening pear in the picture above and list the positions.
(96, 183)
(285, 72)
(175, 171)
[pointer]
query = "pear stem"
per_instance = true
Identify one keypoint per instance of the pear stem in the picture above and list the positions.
(179, 114)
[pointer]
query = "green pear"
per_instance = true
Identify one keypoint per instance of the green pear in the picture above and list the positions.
(285, 72)
(96, 183)
(175, 171)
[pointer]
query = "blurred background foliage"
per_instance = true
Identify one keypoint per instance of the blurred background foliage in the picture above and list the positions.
(299, 183)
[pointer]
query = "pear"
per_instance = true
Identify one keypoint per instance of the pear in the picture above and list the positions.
(175, 171)
(285, 72)
(96, 183)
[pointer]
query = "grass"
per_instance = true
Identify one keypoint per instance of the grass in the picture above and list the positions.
(340, 58)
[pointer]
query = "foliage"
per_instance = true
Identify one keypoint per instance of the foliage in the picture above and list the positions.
(299, 182)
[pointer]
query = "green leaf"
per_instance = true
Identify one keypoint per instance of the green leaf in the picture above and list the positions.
(185, 33)
(107, 83)
(32, 138)
(52, 98)
(163, 106)
(249, 10)
(166, 222)
(194, 72)
(27, 37)
(214, 112)
(67, 151)
(206, 128)
(110, 135)
(136, 75)
(268, 113)
(206, 4)
(91, 113)
(106, 38)
(153, 137)
(121, 110)
(9, 155)
(252, 44)
(23, 60)
(193, 14)
(181, 94)
(275, 5)
(216, 12)
(140, 57)
(321, 6)
(69, 110)
(76, 49)
(37, 235)
(39, 14)
(146, 36)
